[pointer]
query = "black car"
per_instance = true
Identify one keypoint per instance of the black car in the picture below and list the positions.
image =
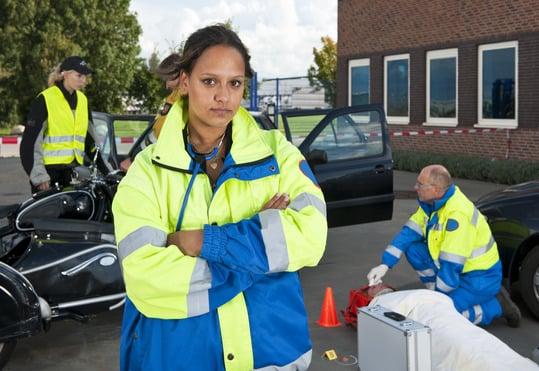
(348, 150)
(513, 216)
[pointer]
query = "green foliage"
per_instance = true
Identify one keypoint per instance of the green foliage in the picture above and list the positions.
(468, 167)
(324, 74)
(147, 91)
(36, 35)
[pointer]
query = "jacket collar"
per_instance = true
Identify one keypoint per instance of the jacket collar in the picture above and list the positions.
(170, 149)
(438, 204)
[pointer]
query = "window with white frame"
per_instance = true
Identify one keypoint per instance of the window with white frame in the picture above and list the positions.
(442, 84)
(359, 75)
(498, 85)
(397, 88)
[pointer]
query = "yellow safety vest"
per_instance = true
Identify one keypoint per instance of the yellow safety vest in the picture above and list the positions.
(466, 239)
(65, 135)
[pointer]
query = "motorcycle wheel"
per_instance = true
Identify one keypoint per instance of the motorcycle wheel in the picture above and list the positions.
(5, 351)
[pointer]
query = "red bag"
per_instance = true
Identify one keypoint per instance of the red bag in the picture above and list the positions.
(361, 298)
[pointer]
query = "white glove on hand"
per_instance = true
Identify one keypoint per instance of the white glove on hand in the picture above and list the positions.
(376, 274)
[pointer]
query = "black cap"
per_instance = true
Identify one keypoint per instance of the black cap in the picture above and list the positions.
(76, 63)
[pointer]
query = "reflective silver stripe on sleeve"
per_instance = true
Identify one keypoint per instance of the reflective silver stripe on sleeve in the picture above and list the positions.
(141, 237)
(437, 227)
(426, 273)
(80, 138)
(395, 251)
(300, 364)
(483, 249)
(430, 285)
(478, 314)
(453, 258)
(475, 216)
(466, 314)
(442, 285)
(306, 199)
(274, 240)
(414, 227)
(198, 299)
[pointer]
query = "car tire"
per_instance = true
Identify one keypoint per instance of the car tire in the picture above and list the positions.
(5, 352)
(529, 280)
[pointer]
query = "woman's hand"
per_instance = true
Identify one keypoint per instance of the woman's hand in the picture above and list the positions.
(189, 242)
(44, 186)
(280, 201)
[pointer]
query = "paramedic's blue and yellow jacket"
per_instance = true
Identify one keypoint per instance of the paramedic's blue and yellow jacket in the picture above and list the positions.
(239, 306)
(459, 241)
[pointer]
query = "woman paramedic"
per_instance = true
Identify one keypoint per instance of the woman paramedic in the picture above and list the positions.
(212, 223)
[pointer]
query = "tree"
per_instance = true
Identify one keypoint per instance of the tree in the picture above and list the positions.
(35, 35)
(147, 91)
(324, 74)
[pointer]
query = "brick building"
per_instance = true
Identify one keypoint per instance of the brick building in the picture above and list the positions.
(459, 66)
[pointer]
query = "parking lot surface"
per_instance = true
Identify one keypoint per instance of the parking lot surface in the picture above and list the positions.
(350, 253)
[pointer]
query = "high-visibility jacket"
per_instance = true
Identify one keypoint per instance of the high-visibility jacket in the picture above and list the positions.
(458, 238)
(239, 306)
(64, 138)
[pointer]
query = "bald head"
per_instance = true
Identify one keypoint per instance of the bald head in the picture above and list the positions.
(438, 175)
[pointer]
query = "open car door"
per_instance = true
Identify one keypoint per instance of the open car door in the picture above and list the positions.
(349, 152)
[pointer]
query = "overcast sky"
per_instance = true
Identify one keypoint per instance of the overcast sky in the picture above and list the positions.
(280, 34)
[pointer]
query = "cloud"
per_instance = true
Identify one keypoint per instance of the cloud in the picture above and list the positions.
(280, 34)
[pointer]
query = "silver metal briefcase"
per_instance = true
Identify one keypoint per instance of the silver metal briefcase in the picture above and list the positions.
(388, 341)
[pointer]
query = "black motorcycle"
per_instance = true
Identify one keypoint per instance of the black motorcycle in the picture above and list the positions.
(58, 257)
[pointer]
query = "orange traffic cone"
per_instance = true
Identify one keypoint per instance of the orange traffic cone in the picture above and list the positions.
(328, 315)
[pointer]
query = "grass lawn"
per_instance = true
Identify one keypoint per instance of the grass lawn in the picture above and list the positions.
(5, 131)
(123, 128)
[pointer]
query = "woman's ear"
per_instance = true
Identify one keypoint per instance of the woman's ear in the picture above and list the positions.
(184, 83)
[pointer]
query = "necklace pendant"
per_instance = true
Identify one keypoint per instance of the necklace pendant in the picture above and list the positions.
(213, 165)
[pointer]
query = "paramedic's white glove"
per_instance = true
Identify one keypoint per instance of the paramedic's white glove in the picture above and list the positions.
(376, 274)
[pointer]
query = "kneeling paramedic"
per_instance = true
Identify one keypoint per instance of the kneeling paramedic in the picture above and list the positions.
(449, 244)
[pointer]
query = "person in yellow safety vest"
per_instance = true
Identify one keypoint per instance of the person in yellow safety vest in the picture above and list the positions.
(213, 223)
(449, 244)
(168, 71)
(56, 131)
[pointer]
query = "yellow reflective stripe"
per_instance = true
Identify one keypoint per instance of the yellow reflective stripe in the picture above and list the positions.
(395, 251)
(274, 240)
(442, 285)
(198, 299)
(236, 334)
(414, 227)
(306, 199)
(453, 258)
(139, 238)
(475, 216)
(482, 249)
(300, 364)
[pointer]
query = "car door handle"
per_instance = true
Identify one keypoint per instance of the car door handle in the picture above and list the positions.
(379, 169)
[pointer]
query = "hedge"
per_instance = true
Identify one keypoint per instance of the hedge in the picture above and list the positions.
(468, 167)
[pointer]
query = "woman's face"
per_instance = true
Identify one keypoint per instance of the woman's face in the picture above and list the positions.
(74, 80)
(214, 86)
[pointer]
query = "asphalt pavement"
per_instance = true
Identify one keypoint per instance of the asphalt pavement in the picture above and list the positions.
(350, 253)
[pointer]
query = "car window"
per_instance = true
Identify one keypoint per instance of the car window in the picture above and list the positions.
(351, 136)
(301, 126)
(126, 132)
(102, 138)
